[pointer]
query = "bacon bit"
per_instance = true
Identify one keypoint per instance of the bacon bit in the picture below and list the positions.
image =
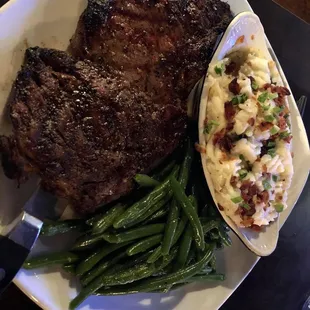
(266, 86)
(282, 123)
(217, 136)
(230, 126)
(256, 228)
(263, 197)
(288, 139)
(205, 122)
(234, 87)
(245, 185)
(279, 197)
(251, 121)
(240, 40)
(200, 148)
(233, 181)
(231, 68)
(247, 222)
(224, 157)
(264, 168)
(220, 207)
(239, 211)
(265, 126)
(253, 190)
(225, 144)
(230, 111)
(252, 37)
(266, 175)
(279, 101)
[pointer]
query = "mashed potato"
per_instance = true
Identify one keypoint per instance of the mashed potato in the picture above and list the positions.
(248, 138)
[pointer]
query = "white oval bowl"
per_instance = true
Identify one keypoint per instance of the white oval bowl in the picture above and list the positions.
(245, 24)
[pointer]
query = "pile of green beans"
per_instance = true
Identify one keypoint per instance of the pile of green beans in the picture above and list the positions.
(160, 242)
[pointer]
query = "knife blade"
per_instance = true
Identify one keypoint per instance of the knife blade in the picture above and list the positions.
(19, 237)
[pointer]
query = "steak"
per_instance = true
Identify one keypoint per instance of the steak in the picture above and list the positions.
(88, 121)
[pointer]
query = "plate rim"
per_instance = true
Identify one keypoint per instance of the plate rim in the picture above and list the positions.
(41, 302)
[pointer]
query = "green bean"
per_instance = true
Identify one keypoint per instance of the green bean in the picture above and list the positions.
(140, 207)
(157, 215)
(61, 227)
(191, 256)
(190, 212)
(145, 181)
(86, 241)
(129, 289)
(205, 270)
(135, 233)
(186, 241)
(131, 262)
(209, 225)
(185, 247)
(155, 255)
(171, 227)
(183, 274)
(127, 276)
(70, 268)
(181, 226)
(50, 259)
(206, 278)
(173, 216)
(100, 268)
(214, 235)
(97, 256)
(164, 172)
(150, 211)
(144, 245)
(186, 166)
(224, 236)
(212, 262)
(103, 222)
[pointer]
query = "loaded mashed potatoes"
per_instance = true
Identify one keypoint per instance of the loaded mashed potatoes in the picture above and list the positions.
(248, 137)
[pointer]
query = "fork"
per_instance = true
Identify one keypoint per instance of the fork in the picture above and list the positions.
(301, 105)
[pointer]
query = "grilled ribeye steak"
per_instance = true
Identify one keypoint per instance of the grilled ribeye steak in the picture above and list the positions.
(162, 46)
(88, 123)
(85, 133)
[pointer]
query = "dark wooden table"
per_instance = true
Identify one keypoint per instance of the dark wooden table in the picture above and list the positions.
(282, 280)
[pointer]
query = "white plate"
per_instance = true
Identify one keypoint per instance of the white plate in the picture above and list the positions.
(51, 23)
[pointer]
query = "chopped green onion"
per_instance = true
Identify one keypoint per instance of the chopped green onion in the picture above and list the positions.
(266, 185)
(279, 207)
(219, 70)
(275, 129)
(271, 144)
(263, 97)
(254, 85)
(278, 110)
(243, 98)
(239, 99)
(273, 96)
(210, 125)
(241, 157)
(243, 173)
(245, 206)
(272, 152)
(235, 100)
(274, 178)
(284, 134)
(265, 107)
(269, 118)
(237, 199)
